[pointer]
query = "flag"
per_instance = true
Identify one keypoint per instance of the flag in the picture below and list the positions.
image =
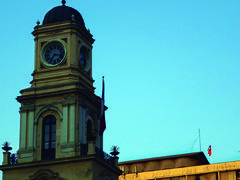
(210, 150)
(102, 117)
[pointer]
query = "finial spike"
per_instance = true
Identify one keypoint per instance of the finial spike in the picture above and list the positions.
(38, 22)
(63, 2)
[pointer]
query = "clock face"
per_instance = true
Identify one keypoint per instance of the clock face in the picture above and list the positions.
(53, 53)
(83, 60)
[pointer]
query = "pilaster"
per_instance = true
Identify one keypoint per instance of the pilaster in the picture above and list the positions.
(30, 144)
(64, 125)
(72, 123)
(23, 127)
(82, 126)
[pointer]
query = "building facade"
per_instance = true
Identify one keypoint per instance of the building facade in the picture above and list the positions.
(60, 114)
(60, 118)
(193, 166)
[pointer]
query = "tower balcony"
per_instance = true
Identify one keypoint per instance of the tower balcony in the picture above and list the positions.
(86, 150)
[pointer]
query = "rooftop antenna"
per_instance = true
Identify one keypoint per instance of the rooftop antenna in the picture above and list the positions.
(63, 2)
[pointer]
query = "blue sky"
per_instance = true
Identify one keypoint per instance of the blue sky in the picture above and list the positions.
(171, 67)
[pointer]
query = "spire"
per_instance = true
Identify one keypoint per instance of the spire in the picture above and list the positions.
(63, 2)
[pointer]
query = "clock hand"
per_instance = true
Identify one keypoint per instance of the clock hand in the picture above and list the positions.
(52, 56)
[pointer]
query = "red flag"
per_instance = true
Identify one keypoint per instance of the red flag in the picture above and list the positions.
(102, 119)
(210, 150)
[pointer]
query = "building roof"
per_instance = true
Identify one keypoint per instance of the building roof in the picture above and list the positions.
(197, 155)
(63, 13)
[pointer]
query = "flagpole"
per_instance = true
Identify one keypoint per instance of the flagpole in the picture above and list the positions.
(199, 139)
(212, 154)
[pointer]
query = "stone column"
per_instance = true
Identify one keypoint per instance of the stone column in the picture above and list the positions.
(115, 160)
(6, 158)
(91, 147)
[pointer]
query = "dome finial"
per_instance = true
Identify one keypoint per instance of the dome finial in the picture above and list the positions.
(63, 2)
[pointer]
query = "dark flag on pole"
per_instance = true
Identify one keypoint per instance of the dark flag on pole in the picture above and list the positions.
(102, 119)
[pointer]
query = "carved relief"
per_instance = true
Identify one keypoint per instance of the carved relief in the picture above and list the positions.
(69, 98)
(105, 175)
(27, 103)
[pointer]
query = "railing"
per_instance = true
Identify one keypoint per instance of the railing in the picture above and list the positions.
(13, 158)
(100, 153)
(83, 150)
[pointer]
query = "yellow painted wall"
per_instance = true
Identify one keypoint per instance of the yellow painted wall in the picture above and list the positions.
(220, 171)
(85, 169)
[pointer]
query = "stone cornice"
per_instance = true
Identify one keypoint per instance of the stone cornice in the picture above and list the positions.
(60, 161)
(60, 27)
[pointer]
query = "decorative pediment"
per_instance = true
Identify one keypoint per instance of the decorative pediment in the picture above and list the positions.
(45, 174)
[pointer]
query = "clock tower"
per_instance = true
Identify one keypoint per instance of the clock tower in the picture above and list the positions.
(60, 114)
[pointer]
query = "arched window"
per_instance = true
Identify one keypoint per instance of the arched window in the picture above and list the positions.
(84, 58)
(48, 137)
(90, 133)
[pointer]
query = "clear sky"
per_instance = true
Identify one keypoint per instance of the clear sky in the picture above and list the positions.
(170, 66)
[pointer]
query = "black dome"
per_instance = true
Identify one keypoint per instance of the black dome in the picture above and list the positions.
(62, 13)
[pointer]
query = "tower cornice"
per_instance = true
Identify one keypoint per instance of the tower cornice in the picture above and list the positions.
(61, 27)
